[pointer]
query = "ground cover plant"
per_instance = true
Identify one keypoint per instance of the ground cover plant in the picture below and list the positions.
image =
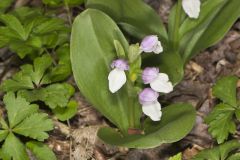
(130, 64)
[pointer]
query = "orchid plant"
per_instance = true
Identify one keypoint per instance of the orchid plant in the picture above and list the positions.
(123, 80)
(159, 82)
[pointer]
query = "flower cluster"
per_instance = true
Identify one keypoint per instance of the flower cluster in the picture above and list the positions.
(158, 82)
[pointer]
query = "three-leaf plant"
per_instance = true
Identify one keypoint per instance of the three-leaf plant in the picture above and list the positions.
(28, 31)
(35, 83)
(23, 119)
(221, 120)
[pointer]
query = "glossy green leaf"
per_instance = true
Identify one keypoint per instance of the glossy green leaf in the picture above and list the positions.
(225, 89)
(92, 52)
(41, 151)
(134, 16)
(213, 28)
(169, 129)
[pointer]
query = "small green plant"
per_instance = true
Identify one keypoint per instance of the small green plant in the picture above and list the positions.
(222, 119)
(226, 151)
(37, 35)
(36, 83)
(29, 31)
(24, 119)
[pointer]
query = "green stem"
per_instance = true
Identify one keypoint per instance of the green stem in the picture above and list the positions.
(131, 106)
(177, 25)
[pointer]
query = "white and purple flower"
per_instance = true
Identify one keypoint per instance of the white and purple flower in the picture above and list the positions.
(150, 105)
(158, 81)
(192, 8)
(151, 44)
(117, 77)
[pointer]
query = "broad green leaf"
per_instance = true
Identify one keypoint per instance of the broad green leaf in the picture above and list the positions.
(55, 95)
(134, 16)
(220, 152)
(41, 151)
(35, 126)
(13, 149)
(169, 129)
(66, 113)
(176, 157)
(92, 52)
(225, 89)
(17, 108)
(3, 134)
(14, 24)
(220, 122)
(224, 15)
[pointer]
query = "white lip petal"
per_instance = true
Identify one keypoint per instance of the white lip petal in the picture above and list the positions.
(158, 48)
(116, 78)
(191, 7)
(162, 84)
(153, 110)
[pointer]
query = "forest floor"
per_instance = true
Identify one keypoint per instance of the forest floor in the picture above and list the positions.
(77, 138)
